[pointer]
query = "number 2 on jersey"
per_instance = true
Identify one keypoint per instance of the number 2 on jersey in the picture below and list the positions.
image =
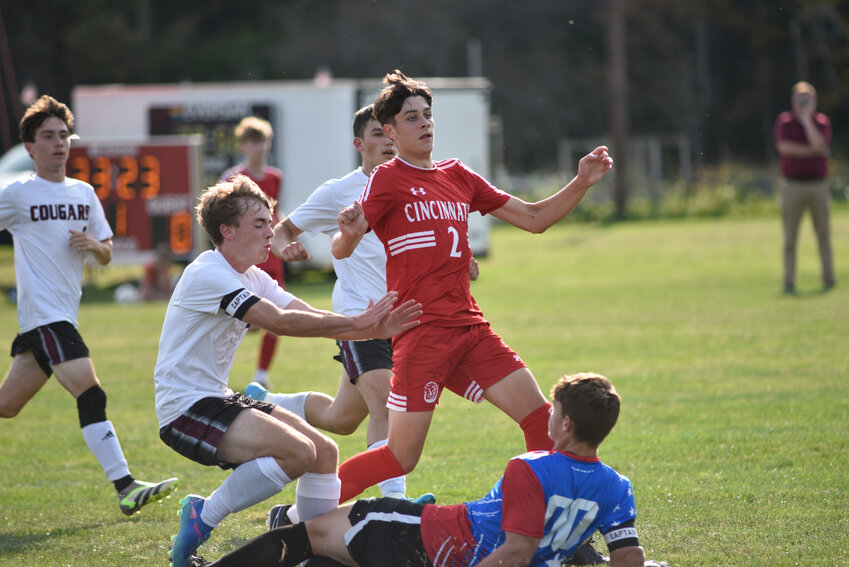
(455, 245)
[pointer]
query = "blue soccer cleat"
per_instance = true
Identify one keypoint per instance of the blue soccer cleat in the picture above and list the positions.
(192, 533)
(426, 498)
(256, 391)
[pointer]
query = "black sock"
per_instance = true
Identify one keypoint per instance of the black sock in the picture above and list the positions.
(123, 482)
(268, 549)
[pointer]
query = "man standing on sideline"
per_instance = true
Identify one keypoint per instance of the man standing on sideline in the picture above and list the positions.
(802, 138)
(219, 295)
(56, 222)
(255, 136)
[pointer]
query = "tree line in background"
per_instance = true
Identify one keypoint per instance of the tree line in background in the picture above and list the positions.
(715, 71)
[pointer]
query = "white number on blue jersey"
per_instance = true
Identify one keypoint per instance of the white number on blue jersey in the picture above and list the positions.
(565, 533)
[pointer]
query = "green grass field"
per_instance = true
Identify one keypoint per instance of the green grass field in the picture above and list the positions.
(735, 399)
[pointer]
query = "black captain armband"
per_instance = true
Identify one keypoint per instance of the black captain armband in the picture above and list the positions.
(237, 303)
(623, 535)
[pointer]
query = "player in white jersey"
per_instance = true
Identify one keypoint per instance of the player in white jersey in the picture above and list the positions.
(544, 506)
(56, 222)
(218, 297)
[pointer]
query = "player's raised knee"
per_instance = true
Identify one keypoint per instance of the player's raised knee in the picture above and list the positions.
(327, 454)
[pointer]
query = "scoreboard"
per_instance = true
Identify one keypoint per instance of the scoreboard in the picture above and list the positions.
(148, 189)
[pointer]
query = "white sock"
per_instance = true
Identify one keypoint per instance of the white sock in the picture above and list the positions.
(250, 483)
(292, 513)
(295, 403)
(394, 487)
(316, 494)
(261, 376)
(103, 443)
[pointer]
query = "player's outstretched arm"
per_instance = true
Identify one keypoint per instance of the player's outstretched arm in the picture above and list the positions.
(538, 217)
(299, 319)
(284, 245)
(352, 227)
(516, 550)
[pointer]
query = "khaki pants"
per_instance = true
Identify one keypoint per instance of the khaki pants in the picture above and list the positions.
(796, 196)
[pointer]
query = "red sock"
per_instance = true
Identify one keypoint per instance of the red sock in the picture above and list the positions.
(535, 428)
(266, 350)
(367, 469)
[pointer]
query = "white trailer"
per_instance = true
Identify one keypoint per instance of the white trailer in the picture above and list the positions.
(312, 128)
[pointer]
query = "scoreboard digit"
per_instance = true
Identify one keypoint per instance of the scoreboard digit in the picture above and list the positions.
(148, 190)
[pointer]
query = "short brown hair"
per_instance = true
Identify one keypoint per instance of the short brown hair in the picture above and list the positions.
(398, 88)
(591, 401)
(226, 203)
(361, 118)
(42, 109)
(253, 128)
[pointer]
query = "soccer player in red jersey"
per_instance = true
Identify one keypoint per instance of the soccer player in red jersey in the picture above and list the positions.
(255, 135)
(419, 209)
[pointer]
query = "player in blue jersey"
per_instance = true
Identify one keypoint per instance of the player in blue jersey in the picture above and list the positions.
(541, 510)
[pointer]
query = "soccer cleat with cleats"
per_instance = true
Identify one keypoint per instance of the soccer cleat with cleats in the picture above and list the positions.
(586, 554)
(139, 493)
(278, 516)
(192, 533)
(256, 391)
(426, 498)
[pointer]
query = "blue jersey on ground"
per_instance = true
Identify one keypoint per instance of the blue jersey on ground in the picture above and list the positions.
(558, 497)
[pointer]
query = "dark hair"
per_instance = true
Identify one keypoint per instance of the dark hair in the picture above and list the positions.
(361, 119)
(591, 401)
(42, 109)
(226, 203)
(398, 88)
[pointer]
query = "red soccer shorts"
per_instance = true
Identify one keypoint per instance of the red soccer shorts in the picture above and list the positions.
(466, 360)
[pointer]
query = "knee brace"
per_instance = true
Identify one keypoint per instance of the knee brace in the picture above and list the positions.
(91, 406)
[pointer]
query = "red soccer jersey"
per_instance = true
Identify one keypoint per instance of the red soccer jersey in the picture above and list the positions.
(421, 216)
(271, 181)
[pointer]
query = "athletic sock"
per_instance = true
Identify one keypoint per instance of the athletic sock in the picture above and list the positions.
(316, 494)
(250, 483)
(367, 469)
(123, 483)
(261, 377)
(267, 549)
(103, 444)
(266, 350)
(395, 487)
(295, 403)
(535, 428)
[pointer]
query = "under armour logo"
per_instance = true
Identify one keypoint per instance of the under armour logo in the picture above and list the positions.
(418, 191)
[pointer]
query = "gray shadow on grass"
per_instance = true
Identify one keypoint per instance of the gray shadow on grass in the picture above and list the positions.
(16, 543)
